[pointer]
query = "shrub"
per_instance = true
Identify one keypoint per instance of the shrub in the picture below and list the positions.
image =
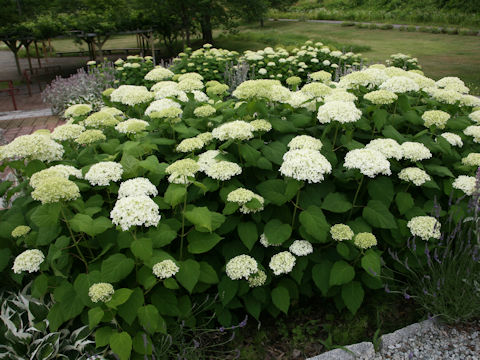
(128, 225)
(424, 29)
(468, 32)
(435, 30)
(411, 28)
(452, 31)
(347, 23)
(386, 27)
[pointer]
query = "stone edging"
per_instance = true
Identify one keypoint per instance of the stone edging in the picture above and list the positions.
(367, 350)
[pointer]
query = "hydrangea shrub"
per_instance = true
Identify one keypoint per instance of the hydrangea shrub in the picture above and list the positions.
(265, 196)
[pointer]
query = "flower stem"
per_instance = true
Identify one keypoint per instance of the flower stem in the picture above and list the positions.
(183, 223)
(75, 243)
(356, 195)
(335, 136)
(295, 207)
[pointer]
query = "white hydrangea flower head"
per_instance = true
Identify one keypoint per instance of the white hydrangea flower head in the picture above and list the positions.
(102, 173)
(452, 138)
(298, 99)
(181, 170)
(90, 136)
(388, 147)
(415, 151)
(64, 171)
(207, 158)
(190, 75)
(223, 170)
(444, 96)
(200, 96)
(131, 126)
(400, 84)
(452, 83)
(370, 162)
(305, 142)
(113, 111)
(425, 227)
(258, 279)
(101, 292)
(54, 189)
(190, 84)
(29, 260)
(473, 130)
(301, 248)
(159, 73)
(135, 210)
(264, 89)
(242, 196)
(137, 186)
(282, 263)
(469, 100)
(341, 111)
(261, 125)
(414, 175)
(465, 183)
(341, 232)
(322, 76)
(206, 137)
(236, 130)
(100, 119)
(381, 97)
(421, 80)
(305, 165)
(436, 118)
(316, 90)
(67, 132)
(190, 145)
(20, 231)
(339, 95)
(204, 111)
(33, 147)
(241, 267)
(165, 269)
(77, 110)
(365, 240)
(472, 159)
(164, 108)
(131, 95)
(475, 116)
(393, 71)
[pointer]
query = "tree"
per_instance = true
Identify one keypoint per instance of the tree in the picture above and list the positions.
(257, 9)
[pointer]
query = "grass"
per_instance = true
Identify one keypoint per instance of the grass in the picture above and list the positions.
(439, 54)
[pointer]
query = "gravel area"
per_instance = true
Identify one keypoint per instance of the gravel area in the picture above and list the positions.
(436, 343)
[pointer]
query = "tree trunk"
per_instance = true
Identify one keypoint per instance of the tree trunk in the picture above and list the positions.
(12, 45)
(261, 22)
(38, 54)
(45, 51)
(99, 44)
(206, 26)
(27, 48)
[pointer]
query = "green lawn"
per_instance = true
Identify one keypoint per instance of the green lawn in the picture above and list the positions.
(439, 54)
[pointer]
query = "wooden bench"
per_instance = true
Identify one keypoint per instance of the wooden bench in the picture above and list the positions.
(126, 51)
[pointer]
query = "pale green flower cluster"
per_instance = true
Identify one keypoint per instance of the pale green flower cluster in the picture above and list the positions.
(388, 147)
(20, 231)
(453, 139)
(475, 116)
(444, 96)
(400, 84)
(341, 232)
(257, 279)
(436, 118)
(414, 175)
(415, 151)
(131, 126)
(181, 170)
(465, 183)
(164, 108)
(425, 227)
(341, 111)
(305, 165)
(452, 83)
(282, 263)
(190, 84)
(64, 171)
(204, 111)
(305, 142)
(217, 89)
(469, 100)
(472, 159)
(316, 90)
(29, 260)
(190, 76)
(103, 173)
(370, 162)
(263, 89)
(242, 197)
(241, 267)
(90, 136)
(235, 130)
(135, 210)
(159, 74)
(33, 147)
(365, 240)
(473, 130)
(189, 145)
(67, 132)
(322, 76)
(294, 80)
(164, 89)
(77, 110)
(100, 119)
(137, 186)
(381, 97)
(223, 170)
(339, 95)
(131, 95)
(165, 269)
(206, 137)
(53, 189)
(301, 248)
(261, 125)
(113, 111)
(101, 292)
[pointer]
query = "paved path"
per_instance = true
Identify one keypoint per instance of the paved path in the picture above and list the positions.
(395, 26)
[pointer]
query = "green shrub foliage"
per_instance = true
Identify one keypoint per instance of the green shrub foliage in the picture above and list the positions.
(129, 258)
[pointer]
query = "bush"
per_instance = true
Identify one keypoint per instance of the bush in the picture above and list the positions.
(264, 196)
(411, 28)
(386, 27)
(424, 29)
(467, 32)
(374, 26)
(347, 23)
(452, 31)
(435, 30)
